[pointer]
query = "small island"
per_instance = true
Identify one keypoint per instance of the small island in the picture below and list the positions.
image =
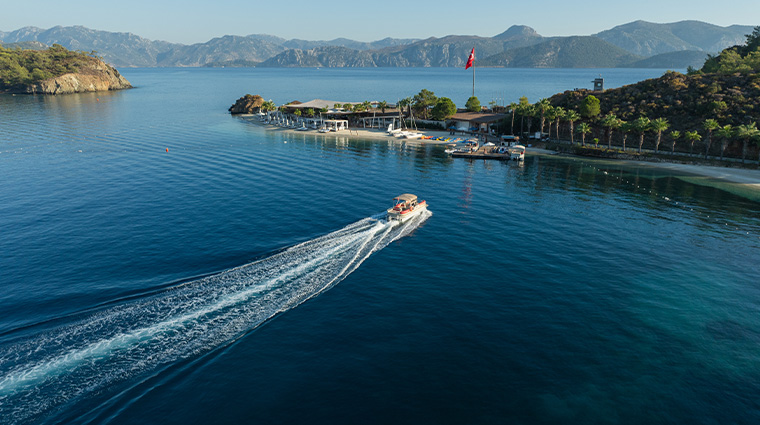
(56, 70)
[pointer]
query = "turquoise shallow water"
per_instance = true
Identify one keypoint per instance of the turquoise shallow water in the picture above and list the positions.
(137, 284)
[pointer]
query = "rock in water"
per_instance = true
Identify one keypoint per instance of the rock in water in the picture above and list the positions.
(248, 104)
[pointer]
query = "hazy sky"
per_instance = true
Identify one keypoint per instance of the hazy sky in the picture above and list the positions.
(197, 21)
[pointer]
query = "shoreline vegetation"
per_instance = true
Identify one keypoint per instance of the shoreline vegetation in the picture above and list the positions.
(703, 122)
(56, 70)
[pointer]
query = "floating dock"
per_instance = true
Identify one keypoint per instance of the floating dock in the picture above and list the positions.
(481, 155)
(483, 152)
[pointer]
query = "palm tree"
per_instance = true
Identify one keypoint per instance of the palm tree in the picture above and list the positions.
(405, 103)
(724, 133)
(571, 117)
(530, 112)
(268, 105)
(522, 109)
(746, 132)
(625, 127)
(658, 126)
(551, 114)
(513, 108)
(584, 128)
(611, 122)
(543, 106)
(560, 115)
(640, 126)
(382, 105)
(709, 125)
(674, 136)
(691, 137)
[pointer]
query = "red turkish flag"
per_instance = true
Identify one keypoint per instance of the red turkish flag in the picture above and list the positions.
(471, 58)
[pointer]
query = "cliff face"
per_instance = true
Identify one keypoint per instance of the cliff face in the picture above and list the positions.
(96, 76)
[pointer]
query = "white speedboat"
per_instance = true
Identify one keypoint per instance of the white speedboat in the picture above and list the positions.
(393, 131)
(517, 152)
(411, 135)
(405, 207)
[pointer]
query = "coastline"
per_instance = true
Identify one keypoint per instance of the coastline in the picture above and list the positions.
(740, 181)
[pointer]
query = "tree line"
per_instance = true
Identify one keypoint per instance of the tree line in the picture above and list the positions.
(19, 67)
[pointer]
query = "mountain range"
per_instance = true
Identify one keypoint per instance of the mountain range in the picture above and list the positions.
(636, 44)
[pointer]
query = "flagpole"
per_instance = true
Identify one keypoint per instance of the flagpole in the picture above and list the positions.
(473, 72)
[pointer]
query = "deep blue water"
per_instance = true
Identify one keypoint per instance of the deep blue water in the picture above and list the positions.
(137, 285)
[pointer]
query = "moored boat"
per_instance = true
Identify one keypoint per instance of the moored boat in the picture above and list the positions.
(406, 206)
(517, 152)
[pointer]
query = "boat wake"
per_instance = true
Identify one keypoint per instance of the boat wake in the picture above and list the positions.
(40, 374)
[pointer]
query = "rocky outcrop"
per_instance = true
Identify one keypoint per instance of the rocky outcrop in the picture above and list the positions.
(248, 104)
(95, 76)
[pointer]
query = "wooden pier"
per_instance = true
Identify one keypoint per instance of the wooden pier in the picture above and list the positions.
(483, 152)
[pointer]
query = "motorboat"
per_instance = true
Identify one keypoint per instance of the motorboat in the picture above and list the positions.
(404, 207)
(393, 131)
(412, 135)
(517, 152)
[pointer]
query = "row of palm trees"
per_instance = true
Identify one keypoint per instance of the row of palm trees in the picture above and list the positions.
(640, 127)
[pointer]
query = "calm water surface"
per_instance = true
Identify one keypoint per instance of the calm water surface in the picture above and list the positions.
(136, 284)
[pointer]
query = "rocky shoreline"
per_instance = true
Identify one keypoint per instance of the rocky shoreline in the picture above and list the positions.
(98, 76)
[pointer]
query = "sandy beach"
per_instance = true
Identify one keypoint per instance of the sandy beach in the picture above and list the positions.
(749, 179)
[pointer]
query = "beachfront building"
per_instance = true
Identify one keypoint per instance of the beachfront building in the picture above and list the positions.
(319, 104)
(379, 119)
(333, 114)
(474, 122)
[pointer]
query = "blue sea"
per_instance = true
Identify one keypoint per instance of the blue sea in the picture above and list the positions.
(164, 262)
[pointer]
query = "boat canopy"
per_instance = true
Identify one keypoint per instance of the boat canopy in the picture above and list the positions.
(406, 197)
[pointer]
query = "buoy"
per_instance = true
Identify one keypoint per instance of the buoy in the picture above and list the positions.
(167, 150)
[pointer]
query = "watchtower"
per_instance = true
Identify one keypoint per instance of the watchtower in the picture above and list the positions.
(598, 84)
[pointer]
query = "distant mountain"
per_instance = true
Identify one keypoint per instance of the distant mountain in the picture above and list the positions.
(566, 52)
(328, 57)
(26, 45)
(268, 38)
(519, 45)
(517, 32)
(449, 51)
(672, 60)
(453, 50)
(345, 42)
(117, 48)
(223, 49)
(648, 39)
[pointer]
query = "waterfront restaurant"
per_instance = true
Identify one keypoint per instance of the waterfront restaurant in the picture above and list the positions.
(317, 104)
(474, 122)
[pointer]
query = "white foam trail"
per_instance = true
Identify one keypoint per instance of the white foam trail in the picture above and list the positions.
(58, 366)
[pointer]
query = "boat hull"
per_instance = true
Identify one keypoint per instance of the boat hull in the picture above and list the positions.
(402, 216)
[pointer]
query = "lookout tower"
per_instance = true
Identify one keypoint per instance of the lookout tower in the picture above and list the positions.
(598, 83)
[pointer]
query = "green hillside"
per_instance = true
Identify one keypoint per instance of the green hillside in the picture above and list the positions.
(19, 67)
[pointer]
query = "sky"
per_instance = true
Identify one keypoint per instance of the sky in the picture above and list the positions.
(197, 21)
